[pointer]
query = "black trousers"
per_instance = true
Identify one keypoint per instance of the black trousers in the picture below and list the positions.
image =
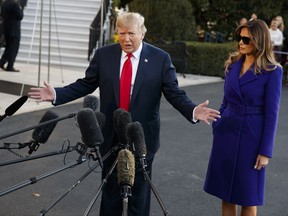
(10, 52)
(138, 203)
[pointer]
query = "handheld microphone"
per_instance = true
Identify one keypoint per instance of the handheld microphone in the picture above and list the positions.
(91, 101)
(14, 107)
(42, 133)
(125, 171)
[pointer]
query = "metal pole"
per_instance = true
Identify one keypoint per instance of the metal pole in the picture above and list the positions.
(49, 43)
(101, 24)
(40, 44)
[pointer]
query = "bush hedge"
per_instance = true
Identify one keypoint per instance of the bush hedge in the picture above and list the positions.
(200, 58)
(208, 58)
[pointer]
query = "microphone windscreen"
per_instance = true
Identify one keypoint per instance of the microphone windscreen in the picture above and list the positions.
(91, 101)
(123, 121)
(89, 128)
(101, 118)
(41, 134)
(125, 168)
(135, 135)
(116, 115)
(15, 106)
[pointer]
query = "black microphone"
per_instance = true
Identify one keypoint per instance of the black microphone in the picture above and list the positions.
(91, 132)
(91, 101)
(125, 171)
(14, 107)
(101, 118)
(89, 127)
(135, 136)
(116, 115)
(42, 133)
(123, 120)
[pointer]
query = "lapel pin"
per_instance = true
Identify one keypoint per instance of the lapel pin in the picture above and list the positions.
(146, 60)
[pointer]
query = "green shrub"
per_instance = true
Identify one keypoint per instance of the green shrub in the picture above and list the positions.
(208, 58)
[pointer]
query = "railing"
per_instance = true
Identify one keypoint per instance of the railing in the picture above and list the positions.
(284, 64)
(95, 26)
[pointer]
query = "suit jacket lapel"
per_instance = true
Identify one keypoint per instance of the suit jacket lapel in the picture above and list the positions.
(141, 71)
(116, 73)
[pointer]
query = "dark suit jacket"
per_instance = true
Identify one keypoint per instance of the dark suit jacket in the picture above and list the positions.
(12, 14)
(155, 75)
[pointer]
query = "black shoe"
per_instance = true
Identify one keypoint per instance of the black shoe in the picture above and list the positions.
(12, 70)
(2, 67)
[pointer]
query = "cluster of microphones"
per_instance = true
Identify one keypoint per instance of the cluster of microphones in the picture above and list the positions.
(131, 147)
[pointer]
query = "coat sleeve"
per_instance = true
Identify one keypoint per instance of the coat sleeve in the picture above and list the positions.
(272, 105)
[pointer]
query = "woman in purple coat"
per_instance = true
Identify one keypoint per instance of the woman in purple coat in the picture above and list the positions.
(243, 138)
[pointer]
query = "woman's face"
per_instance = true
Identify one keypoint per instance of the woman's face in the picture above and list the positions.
(246, 44)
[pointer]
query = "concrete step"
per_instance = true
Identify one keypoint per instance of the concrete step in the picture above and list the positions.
(69, 32)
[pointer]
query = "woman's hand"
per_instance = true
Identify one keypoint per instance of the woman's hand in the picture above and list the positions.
(261, 162)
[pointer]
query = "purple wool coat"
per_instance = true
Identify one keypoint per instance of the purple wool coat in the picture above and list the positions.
(249, 115)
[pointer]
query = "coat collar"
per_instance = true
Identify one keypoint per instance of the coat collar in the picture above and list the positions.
(233, 76)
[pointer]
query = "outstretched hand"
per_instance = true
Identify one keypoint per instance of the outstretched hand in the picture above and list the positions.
(42, 94)
(203, 113)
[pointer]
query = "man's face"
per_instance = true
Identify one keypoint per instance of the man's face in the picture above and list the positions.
(130, 38)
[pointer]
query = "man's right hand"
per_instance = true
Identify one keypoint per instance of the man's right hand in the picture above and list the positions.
(46, 93)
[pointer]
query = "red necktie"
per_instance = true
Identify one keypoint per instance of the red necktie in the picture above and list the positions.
(125, 83)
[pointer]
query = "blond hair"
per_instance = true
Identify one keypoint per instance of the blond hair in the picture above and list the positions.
(263, 53)
(128, 19)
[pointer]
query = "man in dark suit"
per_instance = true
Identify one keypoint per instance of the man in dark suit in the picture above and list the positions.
(12, 14)
(153, 74)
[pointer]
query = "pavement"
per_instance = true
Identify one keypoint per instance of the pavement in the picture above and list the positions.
(179, 168)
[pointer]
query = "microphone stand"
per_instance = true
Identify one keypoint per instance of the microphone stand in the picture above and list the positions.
(33, 180)
(63, 151)
(71, 115)
(114, 149)
(146, 176)
(125, 192)
(44, 211)
(104, 181)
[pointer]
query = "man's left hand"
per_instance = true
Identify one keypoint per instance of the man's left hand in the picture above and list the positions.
(203, 113)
